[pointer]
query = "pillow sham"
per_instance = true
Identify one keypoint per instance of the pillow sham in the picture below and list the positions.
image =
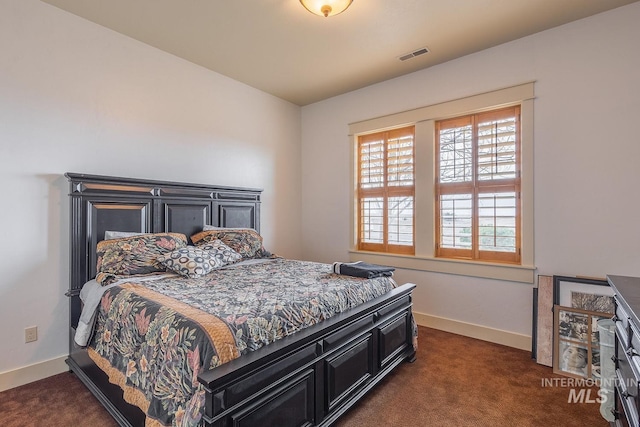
(134, 255)
(191, 261)
(246, 242)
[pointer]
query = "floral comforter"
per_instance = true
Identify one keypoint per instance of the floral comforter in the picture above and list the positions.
(153, 339)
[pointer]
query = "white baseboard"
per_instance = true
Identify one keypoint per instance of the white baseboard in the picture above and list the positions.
(31, 373)
(510, 339)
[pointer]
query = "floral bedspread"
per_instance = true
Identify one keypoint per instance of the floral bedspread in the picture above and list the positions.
(153, 339)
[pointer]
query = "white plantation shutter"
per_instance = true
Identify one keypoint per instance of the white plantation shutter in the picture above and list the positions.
(478, 186)
(456, 159)
(400, 159)
(456, 213)
(386, 191)
(497, 150)
(400, 221)
(497, 222)
(372, 220)
(372, 163)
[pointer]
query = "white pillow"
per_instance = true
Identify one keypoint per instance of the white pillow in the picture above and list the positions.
(111, 235)
(208, 227)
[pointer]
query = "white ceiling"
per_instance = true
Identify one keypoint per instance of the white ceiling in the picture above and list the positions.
(279, 47)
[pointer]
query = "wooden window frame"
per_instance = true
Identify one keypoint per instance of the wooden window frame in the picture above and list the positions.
(385, 192)
(475, 188)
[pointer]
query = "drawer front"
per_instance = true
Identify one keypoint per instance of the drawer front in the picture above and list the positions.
(291, 405)
(634, 339)
(622, 321)
(264, 379)
(620, 414)
(349, 370)
(393, 338)
(346, 333)
(627, 382)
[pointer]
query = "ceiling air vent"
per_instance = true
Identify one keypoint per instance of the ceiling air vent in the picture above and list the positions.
(413, 54)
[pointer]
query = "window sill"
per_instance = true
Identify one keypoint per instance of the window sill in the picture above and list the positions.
(508, 272)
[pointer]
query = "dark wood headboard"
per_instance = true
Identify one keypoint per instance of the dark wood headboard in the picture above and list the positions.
(101, 203)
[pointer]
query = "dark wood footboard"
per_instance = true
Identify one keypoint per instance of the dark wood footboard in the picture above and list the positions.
(307, 379)
(314, 376)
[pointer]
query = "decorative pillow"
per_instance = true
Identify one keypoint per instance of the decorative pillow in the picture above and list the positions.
(110, 235)
(191, 261)
(222, 252)
(246, 242)
(134, 255)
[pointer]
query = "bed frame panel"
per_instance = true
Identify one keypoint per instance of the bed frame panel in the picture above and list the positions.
(308, 379)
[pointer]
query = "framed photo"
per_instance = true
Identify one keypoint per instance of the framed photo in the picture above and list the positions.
(583, 293)
(577, 342)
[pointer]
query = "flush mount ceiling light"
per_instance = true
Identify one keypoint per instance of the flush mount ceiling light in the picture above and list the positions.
(326, 7)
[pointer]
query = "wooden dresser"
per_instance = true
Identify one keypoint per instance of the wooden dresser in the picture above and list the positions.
(627, 349)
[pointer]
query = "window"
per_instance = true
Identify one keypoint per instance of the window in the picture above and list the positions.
(385, 191)
(477, 187)
(472, 217)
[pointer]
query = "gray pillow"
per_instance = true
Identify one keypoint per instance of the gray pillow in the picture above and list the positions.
(222, 252)
(191, 261)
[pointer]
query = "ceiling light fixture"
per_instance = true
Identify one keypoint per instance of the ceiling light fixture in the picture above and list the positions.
(326, 8)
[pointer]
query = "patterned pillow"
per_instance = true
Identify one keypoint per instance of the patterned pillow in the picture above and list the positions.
(191, 261)
(134, 255)
(222, 252)
(246, 242)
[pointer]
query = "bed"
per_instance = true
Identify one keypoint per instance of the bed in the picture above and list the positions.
(307, 378)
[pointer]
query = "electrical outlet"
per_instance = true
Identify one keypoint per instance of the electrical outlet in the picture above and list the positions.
(31, 334)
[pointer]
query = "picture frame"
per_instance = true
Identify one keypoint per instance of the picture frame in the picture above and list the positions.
(577, 342)
(542, 324)
(585, 293)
